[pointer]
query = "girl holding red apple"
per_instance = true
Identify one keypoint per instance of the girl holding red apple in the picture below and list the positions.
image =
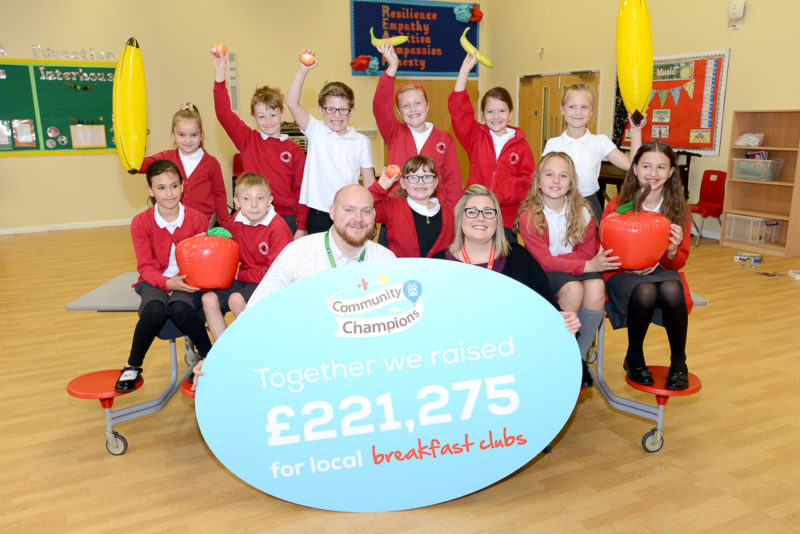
(204, 188)
(413, 135)
(499, 155)
(558, 229)
(155, 233)
(658, 293)
(418, 223)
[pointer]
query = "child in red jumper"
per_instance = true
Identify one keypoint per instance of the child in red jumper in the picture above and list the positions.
(418, 224)
(499, 155)
(265, 151)
(261, 235)
(155, 232)
(412, 135)
(203, 186)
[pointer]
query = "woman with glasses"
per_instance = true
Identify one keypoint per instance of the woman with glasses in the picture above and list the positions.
(417, 223)
(480, 241)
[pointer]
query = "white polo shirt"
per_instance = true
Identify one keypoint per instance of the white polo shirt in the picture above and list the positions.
(587, 153)
(333, 162)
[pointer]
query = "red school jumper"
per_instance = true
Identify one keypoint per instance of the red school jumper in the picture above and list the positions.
(400, 144)
(508, 176)
(259, 245)
(152, 244)
(573, 263)
(675, 264)
(204, 190)
(401, 232)
(280, 162)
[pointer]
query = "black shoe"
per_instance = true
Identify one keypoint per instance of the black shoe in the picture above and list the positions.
(677, 380)
(586, 379)
(640, 375)
(127, 379)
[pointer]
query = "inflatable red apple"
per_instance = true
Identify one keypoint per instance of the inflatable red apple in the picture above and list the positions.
(208, 261)
(638, 238)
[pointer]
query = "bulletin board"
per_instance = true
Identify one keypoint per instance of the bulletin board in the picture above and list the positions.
(686, 103)
(434, 30)
(55, 107)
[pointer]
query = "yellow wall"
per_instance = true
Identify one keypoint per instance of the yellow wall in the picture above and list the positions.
(66, 191)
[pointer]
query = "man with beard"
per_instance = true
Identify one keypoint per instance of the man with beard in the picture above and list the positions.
(347, 241)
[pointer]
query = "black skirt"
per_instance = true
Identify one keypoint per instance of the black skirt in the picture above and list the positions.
(558, 279)
(620, 288)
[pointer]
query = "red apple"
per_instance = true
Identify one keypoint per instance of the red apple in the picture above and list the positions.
(639, 239)
(307, 58)
(208, 261)
(392, 171)
(219, 49)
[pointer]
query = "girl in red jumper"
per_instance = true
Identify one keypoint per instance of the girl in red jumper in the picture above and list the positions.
(204, 188)
(418, 224)
(155, 232)
(558, 229)
(499, 155)
(657, 293)
(413, 135)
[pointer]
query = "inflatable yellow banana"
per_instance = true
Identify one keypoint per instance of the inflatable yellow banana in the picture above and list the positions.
(129, 105)
(396, 40)
(470, 48)
(634, 57)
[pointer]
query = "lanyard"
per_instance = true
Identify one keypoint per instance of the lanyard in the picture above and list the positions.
(330, 254)
(467, 261)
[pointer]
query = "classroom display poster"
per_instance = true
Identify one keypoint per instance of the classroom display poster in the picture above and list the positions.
(686, 103)
(51, 107)
(388, 385)
(433, 29)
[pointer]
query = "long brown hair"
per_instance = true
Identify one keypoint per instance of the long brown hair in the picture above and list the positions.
(673, 205)
(576, 205)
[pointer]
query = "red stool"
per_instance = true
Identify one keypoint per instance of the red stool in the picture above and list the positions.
(186, 388)
(654, 440)
(100, 385)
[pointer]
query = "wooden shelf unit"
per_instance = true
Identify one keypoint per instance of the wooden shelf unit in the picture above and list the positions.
(777, 200)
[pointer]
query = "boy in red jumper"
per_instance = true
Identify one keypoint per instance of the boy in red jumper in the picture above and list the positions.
(261, 235)
(264, 151)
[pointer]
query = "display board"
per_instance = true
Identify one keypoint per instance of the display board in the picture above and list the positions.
(55, 107)
(686, 103)
(433, 28)
(393, 384)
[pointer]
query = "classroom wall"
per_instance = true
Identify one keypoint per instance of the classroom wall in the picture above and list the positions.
(581, 35)
(42, 192)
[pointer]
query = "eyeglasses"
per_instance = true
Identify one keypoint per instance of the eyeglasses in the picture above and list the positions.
(344, 112)
(424, 178)
(488, 213)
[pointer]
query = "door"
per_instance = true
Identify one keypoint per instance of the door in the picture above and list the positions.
(539, 107)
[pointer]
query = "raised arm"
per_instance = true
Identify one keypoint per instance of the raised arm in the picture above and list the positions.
(299, 113)
(463, 74)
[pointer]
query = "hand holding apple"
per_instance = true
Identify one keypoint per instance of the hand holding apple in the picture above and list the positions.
(208, 261)
(219, 50)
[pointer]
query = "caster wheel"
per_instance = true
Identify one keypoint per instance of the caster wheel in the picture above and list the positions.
(649, 442)
(119, 446)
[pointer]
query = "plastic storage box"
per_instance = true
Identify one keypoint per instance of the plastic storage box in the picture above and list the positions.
(751, 229)
(764, 170)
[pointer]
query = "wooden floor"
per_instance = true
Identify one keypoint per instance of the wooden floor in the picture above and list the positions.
(729, 464)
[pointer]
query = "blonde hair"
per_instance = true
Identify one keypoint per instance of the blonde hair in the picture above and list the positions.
(500, 244)
(271, 97)
(575, 88)
(415, 163)
(576, 205)
(251, 179)
(188, 112)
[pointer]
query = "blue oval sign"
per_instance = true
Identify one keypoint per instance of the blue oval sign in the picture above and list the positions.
(388, 385)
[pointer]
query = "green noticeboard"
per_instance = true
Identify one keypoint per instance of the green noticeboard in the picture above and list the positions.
(50, 107)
